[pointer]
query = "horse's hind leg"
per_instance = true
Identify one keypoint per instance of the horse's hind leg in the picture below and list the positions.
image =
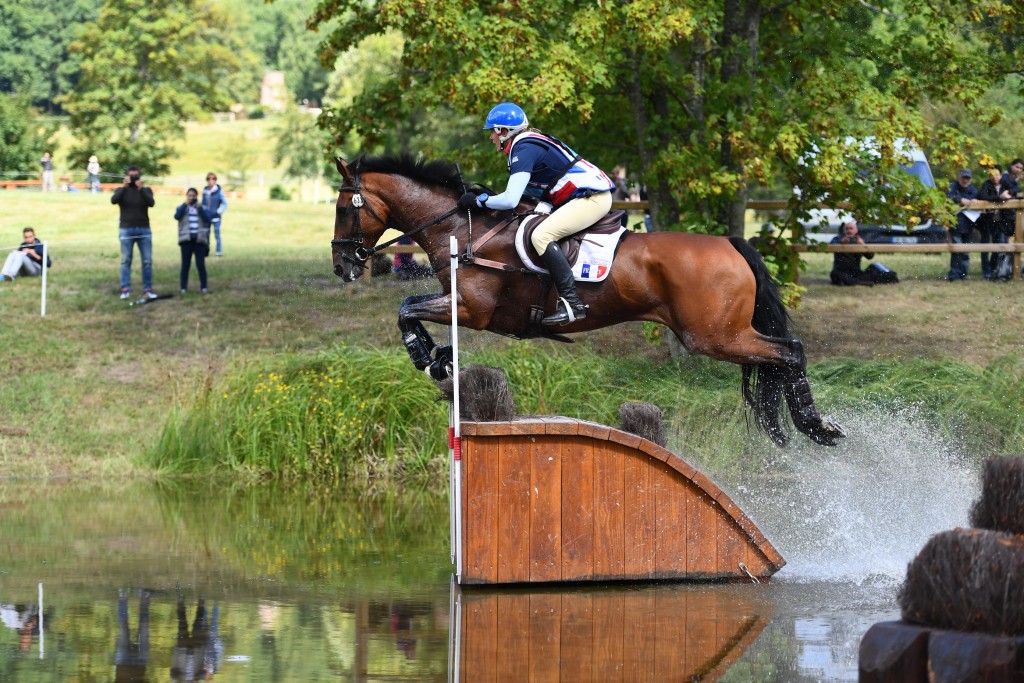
(774, 368)
(797, 390)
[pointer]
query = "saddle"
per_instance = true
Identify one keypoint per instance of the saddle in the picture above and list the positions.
(589, 252)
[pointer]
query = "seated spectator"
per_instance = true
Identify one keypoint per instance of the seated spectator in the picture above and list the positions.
(27, 259)
(846, 268)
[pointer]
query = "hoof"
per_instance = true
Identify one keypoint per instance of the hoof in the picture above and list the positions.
(827, 433)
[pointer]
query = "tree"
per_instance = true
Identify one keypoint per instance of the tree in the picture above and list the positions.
(34, 47)
(147, 66)
(302, 145)
(23, 139)
(707, 98)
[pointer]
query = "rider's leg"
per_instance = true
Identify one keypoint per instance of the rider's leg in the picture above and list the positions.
(570, 218)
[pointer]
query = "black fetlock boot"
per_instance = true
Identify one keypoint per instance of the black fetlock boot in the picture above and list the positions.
(568, 308)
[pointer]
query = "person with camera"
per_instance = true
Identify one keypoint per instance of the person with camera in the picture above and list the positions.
(193, 237)
(135, 200)
(846, 268)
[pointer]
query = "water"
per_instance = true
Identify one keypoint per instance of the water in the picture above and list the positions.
(310, 585)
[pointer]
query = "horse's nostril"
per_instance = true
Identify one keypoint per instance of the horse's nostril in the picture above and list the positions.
(339, 271)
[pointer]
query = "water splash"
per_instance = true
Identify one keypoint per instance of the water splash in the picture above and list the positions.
(860, 512)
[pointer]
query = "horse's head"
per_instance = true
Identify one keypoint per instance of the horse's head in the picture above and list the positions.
(360, 219)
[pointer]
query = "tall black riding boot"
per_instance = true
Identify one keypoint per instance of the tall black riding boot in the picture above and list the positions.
(569, 307)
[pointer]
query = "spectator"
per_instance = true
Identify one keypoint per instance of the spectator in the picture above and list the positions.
(135, 201)
(93, 169)
(846, 268)
(962, 191)
(621, 191)
(47, 163)
(992, 190)
(765, 240)
(27, 259)
(193, 238)
(215, 204)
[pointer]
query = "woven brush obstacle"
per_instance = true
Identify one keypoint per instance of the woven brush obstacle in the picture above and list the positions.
(1001, 506)
(962, 602)
(484, 394)
(967, 580)
(644, 420)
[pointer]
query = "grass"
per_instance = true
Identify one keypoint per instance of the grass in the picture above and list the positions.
(89, 388)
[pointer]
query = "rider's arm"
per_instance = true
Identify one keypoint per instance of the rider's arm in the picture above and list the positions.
(509, 199)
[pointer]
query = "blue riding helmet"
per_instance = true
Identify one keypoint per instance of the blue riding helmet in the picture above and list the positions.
(509, 116)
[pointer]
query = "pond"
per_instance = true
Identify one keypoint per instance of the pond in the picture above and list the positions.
(192, 581)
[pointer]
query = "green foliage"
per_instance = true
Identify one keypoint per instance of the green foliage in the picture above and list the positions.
(278, 193)
(278, 35)
(22, 135)
(146, 68)
(366, 412)
(35, 58)
(301, 144)
(705, 99)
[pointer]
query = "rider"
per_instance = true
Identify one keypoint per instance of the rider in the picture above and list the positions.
(545, 168)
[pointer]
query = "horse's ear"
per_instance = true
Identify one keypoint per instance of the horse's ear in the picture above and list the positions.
(342, 168)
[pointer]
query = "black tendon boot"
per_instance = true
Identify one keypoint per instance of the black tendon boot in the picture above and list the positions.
(569, 307)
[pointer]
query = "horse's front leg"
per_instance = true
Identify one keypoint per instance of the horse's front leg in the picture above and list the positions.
(424, 352)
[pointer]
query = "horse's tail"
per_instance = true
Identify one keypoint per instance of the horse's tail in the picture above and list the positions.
(763, 384)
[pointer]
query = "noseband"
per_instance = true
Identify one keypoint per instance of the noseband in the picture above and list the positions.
(360, 253)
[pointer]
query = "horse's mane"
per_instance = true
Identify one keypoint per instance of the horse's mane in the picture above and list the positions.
(438, 172)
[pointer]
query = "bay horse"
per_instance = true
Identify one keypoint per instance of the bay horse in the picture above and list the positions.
(714, 293)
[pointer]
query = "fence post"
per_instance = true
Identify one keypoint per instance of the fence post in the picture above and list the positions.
(1018, 237)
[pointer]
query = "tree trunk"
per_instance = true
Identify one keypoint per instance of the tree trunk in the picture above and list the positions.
(741, 25)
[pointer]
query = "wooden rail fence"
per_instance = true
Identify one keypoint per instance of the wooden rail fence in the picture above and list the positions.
(1016, 247)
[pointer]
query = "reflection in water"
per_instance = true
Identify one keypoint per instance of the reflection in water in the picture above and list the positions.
(656, 633)
(302, 585)
(131, 656)
(24, 619)
(198, 653)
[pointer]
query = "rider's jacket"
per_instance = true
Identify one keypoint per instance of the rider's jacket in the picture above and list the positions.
(552, 178)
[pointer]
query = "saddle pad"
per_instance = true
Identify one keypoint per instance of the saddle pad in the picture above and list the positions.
(593, 259)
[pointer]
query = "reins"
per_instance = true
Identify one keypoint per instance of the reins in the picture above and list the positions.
(361, 254)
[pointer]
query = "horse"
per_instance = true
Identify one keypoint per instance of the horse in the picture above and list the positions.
(714, 293)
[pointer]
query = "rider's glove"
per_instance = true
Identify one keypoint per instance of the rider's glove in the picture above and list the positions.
(467, 201)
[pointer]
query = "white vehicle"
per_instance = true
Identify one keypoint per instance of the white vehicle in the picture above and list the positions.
(823, 224)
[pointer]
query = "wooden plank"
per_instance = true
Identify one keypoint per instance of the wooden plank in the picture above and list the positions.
(514, 635)
(609, 510)
(577, 638)
(701, 545)
(670, 522)
(731, 546)
(638, 636)
(638, 517)
(545, 634)
(480, 628)
(609, 616)
(480, 512)
(514, 492)
(577, 509)
(546, 510)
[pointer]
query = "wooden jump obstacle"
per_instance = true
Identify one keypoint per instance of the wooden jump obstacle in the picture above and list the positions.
(659, 633)
(554, 499)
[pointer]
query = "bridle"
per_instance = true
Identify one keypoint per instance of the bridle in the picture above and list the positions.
(360, 253)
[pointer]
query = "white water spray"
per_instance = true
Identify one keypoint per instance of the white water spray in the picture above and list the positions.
(860, 512)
